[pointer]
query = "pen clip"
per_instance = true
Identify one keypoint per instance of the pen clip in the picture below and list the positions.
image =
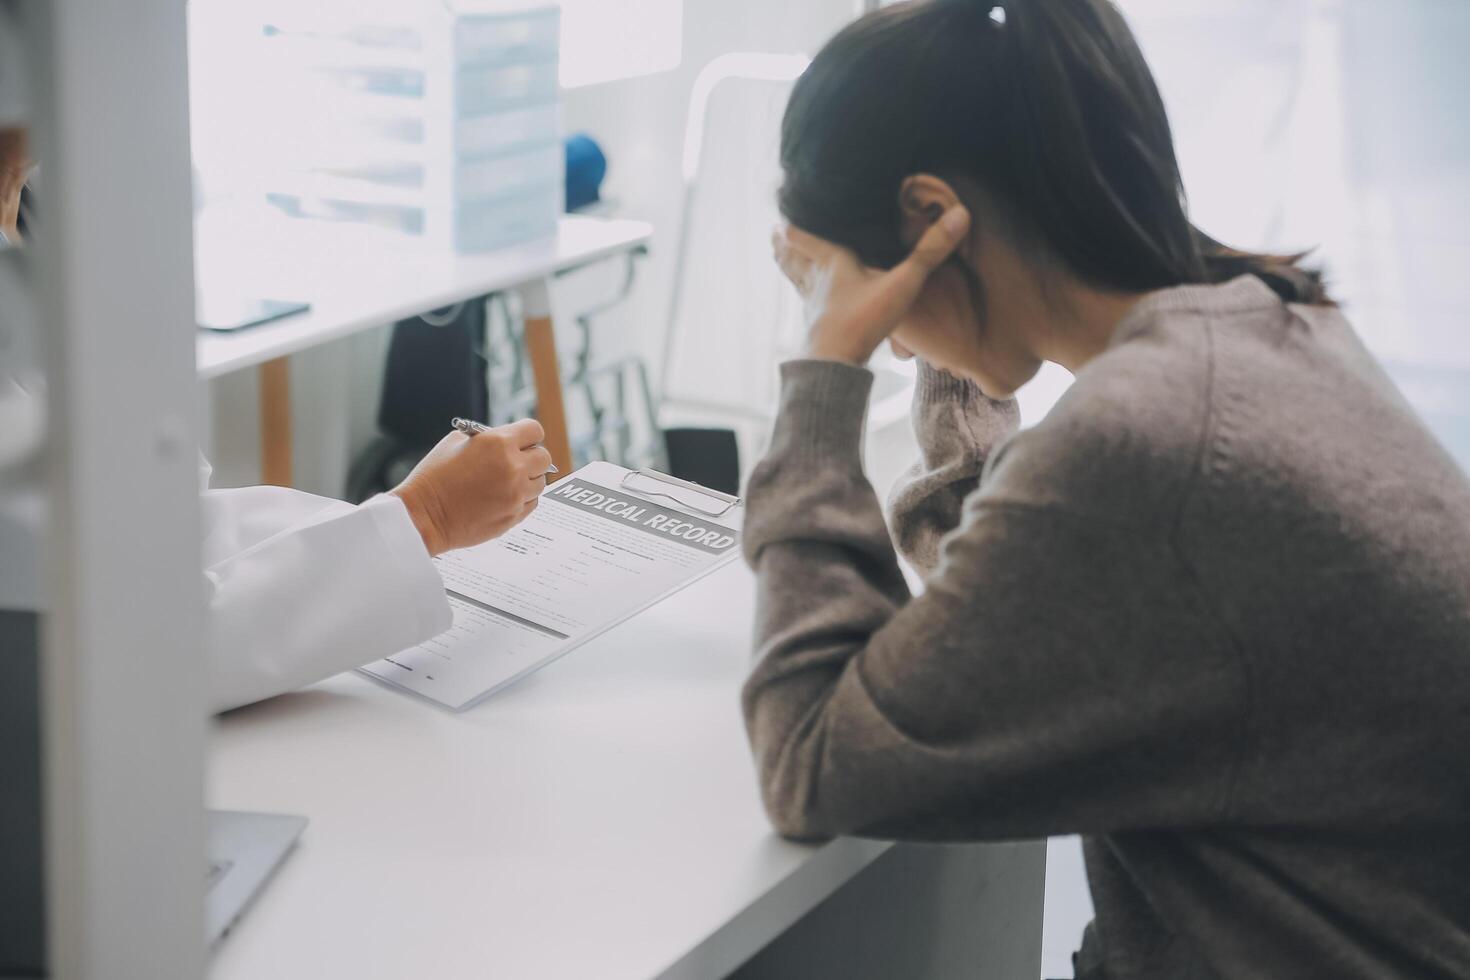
(469, 426)
(674, 483)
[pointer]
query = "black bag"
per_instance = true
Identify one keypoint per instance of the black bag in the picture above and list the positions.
(435, 373)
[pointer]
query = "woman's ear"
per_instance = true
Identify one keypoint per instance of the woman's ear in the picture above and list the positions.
(922, 200)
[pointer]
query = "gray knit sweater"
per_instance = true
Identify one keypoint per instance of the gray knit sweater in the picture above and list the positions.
(1213, 614)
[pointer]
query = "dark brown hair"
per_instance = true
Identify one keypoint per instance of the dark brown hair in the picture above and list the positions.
(1047, 105)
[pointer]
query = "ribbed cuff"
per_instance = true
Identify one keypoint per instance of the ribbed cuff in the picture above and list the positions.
(946, 407)
(824, 409)
(407, 551)
(937, 386)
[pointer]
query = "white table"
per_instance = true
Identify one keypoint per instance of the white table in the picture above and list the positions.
(354, 281)
(598, 821)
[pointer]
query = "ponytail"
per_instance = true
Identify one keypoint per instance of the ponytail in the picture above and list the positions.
(1285, 274)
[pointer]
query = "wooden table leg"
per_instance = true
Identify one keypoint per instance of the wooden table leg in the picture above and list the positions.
(275, 423)
(541, 349)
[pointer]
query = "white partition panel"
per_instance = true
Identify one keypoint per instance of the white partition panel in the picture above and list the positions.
(122, 671)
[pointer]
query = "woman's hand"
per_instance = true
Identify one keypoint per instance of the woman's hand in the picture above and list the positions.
(851, 308)
(474, 488)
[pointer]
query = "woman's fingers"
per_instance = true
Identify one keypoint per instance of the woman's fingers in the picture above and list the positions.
(906, 280)
(794, 264)
(803, 256)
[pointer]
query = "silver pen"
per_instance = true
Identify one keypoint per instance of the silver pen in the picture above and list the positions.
(471, 428)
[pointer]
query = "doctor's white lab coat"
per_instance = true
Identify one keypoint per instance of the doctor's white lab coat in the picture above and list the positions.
(300, 587)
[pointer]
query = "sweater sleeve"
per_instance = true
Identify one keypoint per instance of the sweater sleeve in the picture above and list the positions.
(1052, 678)
(957, 428)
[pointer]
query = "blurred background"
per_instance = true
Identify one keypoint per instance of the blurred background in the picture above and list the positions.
(1333, 125)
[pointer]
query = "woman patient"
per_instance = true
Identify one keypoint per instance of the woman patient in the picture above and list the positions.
(1213, 613)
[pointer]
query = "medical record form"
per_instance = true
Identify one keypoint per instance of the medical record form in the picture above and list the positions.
(604, 544)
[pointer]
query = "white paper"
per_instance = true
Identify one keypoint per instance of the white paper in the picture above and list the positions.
(592, 555)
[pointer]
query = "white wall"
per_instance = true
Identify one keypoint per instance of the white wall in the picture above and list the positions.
(1337, 124)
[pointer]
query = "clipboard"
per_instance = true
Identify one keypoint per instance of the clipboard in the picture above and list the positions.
(663, 484)
(606, 544)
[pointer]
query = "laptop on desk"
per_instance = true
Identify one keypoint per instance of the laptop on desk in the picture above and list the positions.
(244, 850)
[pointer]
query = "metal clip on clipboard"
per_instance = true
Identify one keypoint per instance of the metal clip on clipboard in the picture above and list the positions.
(666, 487)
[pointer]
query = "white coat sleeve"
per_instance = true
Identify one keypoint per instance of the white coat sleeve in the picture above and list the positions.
(300, 587)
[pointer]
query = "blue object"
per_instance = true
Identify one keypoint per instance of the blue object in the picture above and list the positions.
(586, 169)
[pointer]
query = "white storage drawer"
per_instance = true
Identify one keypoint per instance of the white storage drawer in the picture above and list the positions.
(473, 91)
(478, 91)
(437, 119)
(474, 227)
(529, 215)
(511, 39)
(409, 181)
(473, 40)
(345, 143)
(476, 180)
(478, 136)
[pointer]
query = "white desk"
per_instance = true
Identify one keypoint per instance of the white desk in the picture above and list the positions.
(355, 283)
(599, 821)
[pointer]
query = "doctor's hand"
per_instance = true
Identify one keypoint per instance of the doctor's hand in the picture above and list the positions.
(852, 308)
(471, 489)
